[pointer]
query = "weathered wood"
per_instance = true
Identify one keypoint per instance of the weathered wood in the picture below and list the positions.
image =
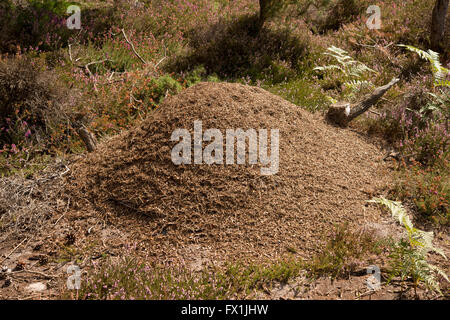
(88, 138)
(338, 113)
(343, 113)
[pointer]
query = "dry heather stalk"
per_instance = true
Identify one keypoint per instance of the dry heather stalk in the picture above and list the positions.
(26, 204)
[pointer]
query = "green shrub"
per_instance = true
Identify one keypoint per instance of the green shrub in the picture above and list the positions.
(154, 92)
(129, 278)
(428, 189)
(343, 11)
(302, 92)
(439, 72)
(35, 25)
(353, 75)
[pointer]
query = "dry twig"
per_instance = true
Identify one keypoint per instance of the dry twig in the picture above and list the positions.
(132, 47)
(12, 251)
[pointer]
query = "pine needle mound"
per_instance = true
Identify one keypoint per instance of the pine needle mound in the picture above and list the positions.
(325, 176)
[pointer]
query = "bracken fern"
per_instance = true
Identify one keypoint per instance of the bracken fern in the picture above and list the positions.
(409, 258)
(439, 72)
(352, 71)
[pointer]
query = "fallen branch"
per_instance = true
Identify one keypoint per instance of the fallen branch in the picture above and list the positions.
(9, 254)
(156, 65)
(132, 47)
(48, 276)
(343, 113)
(86, 66)
(163, 58)
(70, 53)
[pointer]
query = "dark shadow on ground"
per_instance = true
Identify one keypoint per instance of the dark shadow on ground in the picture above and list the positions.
(236, 49)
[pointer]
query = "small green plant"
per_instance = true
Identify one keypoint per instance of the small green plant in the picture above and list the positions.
(353, 73)
(128, 278)
(344, 252)
(199, 74)
(409, 257)
(58, 7)
(439, 102)
(439, 72)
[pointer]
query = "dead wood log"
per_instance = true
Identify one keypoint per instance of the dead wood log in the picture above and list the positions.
(343, 113)
(88, 138)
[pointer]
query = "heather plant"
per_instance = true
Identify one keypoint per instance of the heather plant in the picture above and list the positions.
(33, 102)
(38, 24)
(428, 189)
(344, 252)
(404, 22)
(409, 256)
(326, 16)
(341, 12)
(128, 278)
(132, 278)
(268, 9)
(440, 102)
(428, 145)
(117, 105)
(420, 126)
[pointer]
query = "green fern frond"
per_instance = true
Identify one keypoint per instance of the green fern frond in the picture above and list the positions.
(337, 51)
(397, 210)
(410, 259)
(348, 65)
(360, 69)
(420, 52)
(354, 74)
(331, 99)
(330, 67)
(442, 83)
(358, 84)
(440, 272)
(439, 72)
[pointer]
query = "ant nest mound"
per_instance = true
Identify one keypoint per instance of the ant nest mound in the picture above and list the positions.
(258, 206)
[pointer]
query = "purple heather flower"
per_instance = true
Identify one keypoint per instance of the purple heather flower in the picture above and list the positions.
(14, 148)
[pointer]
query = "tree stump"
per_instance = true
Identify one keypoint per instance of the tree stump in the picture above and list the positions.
(342, 113)
(88, 138)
